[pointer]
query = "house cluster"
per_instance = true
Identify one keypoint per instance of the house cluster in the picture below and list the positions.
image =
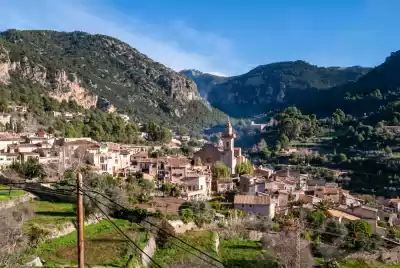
(19, 148)
(269, 193)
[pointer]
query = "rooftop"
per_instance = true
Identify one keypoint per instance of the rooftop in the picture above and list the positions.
(340, 214)
(251, 200)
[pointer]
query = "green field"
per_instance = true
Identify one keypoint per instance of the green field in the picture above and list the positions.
(103, 245)
(241, 253)
(52, 214)
(199, 239)
(233, 253)
(355, 263)
(6, 194)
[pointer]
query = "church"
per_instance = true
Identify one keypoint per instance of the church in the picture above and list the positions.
(224, 152)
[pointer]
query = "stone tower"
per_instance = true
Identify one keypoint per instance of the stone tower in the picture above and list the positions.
(228, 155)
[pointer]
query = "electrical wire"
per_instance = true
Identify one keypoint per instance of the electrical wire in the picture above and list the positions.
(119, 229)
(179, 246)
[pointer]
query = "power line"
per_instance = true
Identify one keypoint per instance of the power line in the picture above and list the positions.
(119, 229)
(179, 246)
(166, 232)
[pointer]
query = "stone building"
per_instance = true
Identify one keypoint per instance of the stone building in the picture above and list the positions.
(225, 152)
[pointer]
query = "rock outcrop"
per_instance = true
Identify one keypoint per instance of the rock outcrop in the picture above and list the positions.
(88, 68)
(68, 90)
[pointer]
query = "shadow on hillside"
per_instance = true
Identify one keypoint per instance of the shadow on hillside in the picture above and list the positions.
(244, 246)
(56, 213)
(106, 240)
(249, 263)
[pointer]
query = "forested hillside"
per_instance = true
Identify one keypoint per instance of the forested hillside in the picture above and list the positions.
(278, 85)
(103, 72)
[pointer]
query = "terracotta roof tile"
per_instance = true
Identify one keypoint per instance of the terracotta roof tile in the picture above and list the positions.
(339, 214)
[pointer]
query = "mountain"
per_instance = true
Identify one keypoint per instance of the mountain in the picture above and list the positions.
(103, 72)
(204, 81)
(376, 89)
(277, 85)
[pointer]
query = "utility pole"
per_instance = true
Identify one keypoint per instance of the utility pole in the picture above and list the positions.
(298, 239)
(80, 221)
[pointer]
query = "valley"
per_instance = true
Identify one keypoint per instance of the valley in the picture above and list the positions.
(196, 170)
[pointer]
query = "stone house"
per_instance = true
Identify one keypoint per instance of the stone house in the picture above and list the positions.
(254, 204)
(263, 172)
(313, 184)
(250, 184)
(22, 148)
(29, 155)
(223, 185)
(6, 141)
(327, 193)
(173, 169)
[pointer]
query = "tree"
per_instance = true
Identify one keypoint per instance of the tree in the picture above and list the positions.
(244, 168)
(220, 170)
(265, 153)
(334, 232)
(187, 215)
(377, 94)
(284, 141)
(261, 145)
(388, 151)
(323, 205)
(197, 162)
(29, 169)
(13, 236)
(340, 158)
(283, 249)
(166, 188)
(360, 233)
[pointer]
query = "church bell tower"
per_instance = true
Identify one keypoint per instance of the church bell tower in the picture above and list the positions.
(228, 139)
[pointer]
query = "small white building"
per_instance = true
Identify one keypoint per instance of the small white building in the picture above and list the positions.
(259, 205)
(194, 187)
(4, 119)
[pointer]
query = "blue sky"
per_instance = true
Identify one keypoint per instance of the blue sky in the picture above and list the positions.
(227, 36)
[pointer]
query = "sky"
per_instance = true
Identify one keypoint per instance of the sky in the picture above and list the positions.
(226, 37)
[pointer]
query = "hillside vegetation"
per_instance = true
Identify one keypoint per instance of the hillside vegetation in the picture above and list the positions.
(103, 72)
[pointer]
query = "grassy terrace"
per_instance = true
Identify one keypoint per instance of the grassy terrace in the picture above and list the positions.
(353, 263)
(103, 245)
(199, 239)
(241, 253)
(233, 253)
(5, 194)
(52, 214)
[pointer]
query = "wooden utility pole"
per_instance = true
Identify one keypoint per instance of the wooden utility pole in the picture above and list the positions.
(80, 221)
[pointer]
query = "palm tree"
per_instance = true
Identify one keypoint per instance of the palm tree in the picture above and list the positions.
(324, 206)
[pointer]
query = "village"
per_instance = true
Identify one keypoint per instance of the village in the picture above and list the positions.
(264, 192)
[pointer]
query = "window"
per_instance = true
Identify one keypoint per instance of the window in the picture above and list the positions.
(227, 144)
(250, 205)
(201, 187)
(242, 206)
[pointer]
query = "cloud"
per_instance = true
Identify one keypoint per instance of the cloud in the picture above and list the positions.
(174, 43)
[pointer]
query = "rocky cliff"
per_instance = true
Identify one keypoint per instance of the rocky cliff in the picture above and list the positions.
(86, 68)
(205, 82)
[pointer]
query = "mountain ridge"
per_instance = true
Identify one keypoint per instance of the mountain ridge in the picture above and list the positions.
(101, 67)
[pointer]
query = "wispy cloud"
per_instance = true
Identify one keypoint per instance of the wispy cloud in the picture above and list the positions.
(174, 43)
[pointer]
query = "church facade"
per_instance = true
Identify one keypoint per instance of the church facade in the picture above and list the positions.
(224, 152)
